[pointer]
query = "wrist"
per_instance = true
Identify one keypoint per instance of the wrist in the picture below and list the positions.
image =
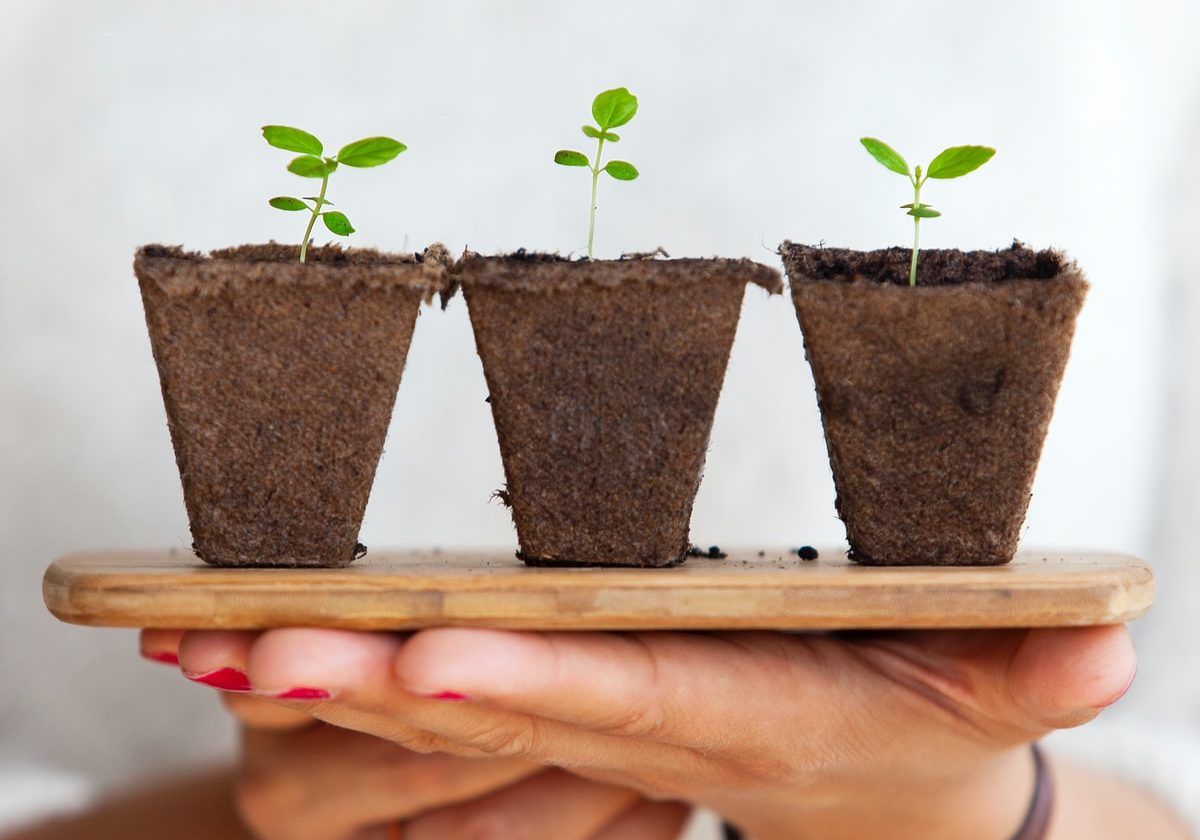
(988, 803)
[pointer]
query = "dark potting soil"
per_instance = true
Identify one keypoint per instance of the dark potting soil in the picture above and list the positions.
(935, 267)
(278, 380)
(935, 400)
(540, 271)
(604, 377)
(242, 264)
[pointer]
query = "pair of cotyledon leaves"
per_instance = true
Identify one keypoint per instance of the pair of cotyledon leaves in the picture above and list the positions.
(953, 162)
(610, 109)
(370, 151)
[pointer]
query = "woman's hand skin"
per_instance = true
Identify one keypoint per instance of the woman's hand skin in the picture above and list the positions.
(905, 734)
(302, 780)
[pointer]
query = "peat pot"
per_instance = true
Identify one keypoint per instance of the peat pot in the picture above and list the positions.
(935, 399)
(279, 379)
(603, 379)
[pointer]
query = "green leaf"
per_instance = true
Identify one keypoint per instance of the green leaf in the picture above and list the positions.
(292, 139)
(285, 202)
(337, 222)
(609, 136)
(959, 160)
(319, 200)
(566, 157)
(923, 211)
(370, 151)
(885, 154)
(614, 107)
(311, 166)
(621, 170)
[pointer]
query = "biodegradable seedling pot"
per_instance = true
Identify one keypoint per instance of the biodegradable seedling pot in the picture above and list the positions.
(278, 379)
(603, 379)
(935, 399)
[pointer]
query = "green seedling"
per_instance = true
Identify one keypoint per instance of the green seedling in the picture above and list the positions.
(371, 151)
(951, 163)
(611, 109)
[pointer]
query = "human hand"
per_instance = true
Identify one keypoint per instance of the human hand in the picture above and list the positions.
(300, 779)
(897, 735)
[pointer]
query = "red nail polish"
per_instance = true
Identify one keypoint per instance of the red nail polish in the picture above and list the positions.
(226, 679)
(447, 695)
(302, 694)
(167, 657)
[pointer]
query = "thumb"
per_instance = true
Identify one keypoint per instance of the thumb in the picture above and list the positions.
(1064, 677)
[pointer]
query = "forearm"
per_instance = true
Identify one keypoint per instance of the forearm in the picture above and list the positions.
(1100, 807)
(197, 807)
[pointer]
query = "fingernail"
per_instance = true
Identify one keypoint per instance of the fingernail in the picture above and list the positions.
(226, 679)
(445, 695)
(167, 657)
(299, 694)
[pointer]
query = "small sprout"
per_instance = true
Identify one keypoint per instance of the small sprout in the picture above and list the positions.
(610, 109)
(951, 163)
(371, 151)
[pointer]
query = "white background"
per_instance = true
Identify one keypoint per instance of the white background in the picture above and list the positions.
(132, 122)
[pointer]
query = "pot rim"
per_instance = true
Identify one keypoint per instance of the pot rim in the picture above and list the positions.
(541, 272)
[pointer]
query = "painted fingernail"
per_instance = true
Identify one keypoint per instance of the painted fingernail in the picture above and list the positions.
(300, 694)
(446, 695)
(167, 657)
(226, 679)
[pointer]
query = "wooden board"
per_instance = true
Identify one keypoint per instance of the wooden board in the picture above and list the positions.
(774, 590)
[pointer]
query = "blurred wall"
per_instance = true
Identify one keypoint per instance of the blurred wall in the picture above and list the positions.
(131, 122)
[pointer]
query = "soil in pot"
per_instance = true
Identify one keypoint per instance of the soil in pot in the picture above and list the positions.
(603, 379)
(935, 399)
(278, 380)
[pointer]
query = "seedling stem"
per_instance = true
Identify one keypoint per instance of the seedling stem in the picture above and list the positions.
(313, 219)
(595, 180)
(912, 269)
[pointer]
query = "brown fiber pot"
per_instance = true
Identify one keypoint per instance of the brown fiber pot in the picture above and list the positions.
(935, 399)
(603, 379)
(279, 380)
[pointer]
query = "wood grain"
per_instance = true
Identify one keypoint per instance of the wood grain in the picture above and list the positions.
(775, 590)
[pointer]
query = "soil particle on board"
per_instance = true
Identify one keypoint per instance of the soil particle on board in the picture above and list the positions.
(713, 552)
